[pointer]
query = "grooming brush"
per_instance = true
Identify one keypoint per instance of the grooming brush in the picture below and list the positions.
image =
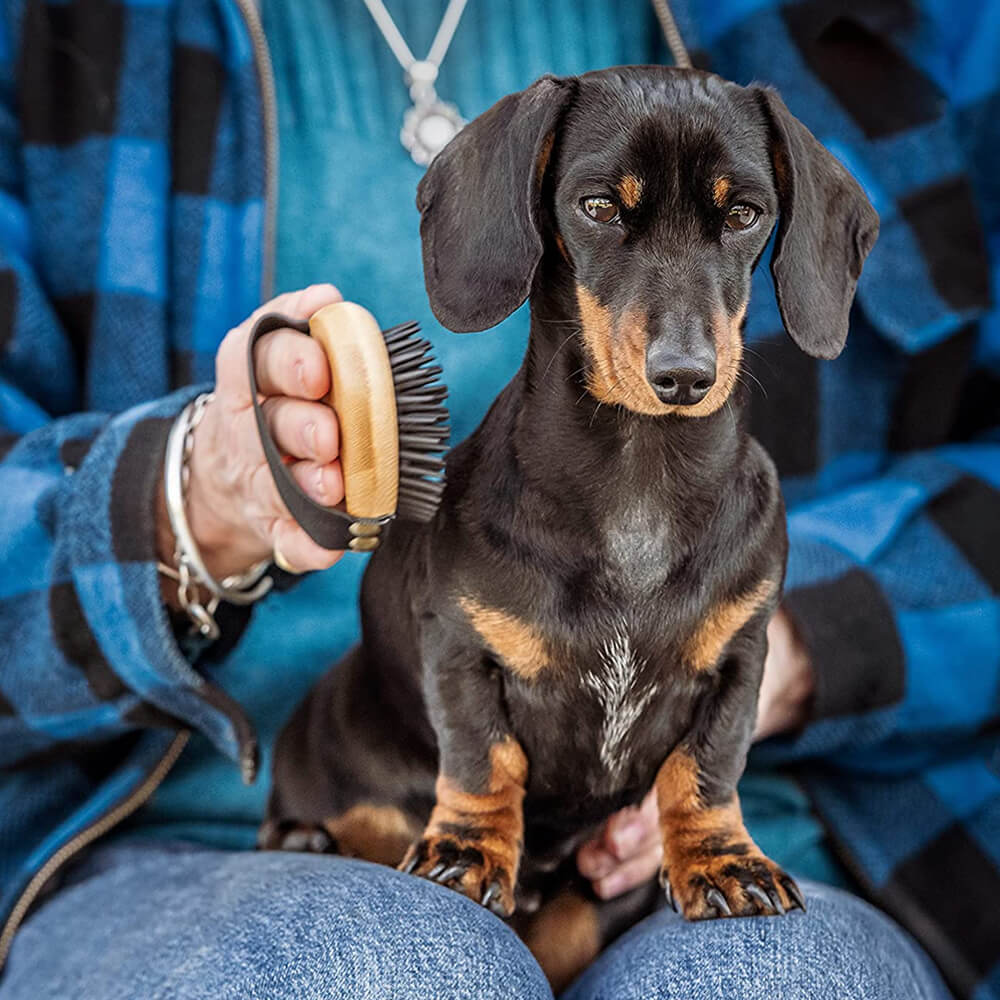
(393, 426)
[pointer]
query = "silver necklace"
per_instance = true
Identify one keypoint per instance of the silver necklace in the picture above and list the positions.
(431, 123)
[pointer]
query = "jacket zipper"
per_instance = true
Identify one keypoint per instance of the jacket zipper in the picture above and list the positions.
(112, 818)
(265, 76)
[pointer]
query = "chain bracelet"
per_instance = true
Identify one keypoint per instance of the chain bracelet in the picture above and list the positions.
(191, 571)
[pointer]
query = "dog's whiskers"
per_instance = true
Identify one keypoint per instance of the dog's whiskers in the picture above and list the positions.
(757, 354)
(746, 371)
(732, 415)
(572, 334)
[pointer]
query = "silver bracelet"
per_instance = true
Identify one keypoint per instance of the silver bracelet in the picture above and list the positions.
(243, 588)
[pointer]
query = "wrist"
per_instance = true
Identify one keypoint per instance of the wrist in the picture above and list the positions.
(191, 570)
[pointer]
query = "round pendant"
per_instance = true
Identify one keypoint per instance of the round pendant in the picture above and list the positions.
(428, 128)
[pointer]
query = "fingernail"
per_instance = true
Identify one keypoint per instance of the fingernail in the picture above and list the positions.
(311, 439)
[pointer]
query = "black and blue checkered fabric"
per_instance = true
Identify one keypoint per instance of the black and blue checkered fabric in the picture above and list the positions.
(132, 236)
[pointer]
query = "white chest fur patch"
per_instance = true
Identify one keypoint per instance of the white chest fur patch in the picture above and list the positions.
(616, 688)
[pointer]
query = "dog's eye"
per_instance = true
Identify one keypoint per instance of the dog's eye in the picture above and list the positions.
(742, 217)
(600, 209)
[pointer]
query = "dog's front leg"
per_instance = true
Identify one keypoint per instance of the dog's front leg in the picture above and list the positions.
(711, 865)
(474, 836)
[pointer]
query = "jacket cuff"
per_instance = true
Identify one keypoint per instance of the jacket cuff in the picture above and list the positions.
(108, 537)
(848, 627)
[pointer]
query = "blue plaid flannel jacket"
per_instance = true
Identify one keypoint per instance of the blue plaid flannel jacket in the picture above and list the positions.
(136, 180)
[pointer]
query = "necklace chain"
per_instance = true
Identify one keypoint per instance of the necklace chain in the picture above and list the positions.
(430, 124)
(442, 39)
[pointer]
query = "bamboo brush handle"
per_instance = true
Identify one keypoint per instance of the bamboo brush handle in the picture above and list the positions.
(363, 395)
(364, 398)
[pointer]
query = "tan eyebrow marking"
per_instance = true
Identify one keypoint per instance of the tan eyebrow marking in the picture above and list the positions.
(720, 190)
(630, 189)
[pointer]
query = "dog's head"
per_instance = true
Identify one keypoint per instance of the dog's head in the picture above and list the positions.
(659, 188)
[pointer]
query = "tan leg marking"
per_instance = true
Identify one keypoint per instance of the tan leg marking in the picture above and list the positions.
(720, 191)
(518, 644)
(379, 833)
(617, 373)
(564, 936)
(704, 648)
(483, 832)
(630, 190)
(708, 847)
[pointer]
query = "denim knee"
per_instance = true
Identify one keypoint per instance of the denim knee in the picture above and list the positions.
(840, 949)
(216, 925)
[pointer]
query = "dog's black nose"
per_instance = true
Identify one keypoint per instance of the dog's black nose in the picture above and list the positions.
(680, 379)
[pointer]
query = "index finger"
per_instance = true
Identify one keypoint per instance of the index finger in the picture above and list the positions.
(230, 362)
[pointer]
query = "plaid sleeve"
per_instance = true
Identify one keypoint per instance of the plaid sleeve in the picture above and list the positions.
(894, 587)
(88, 650)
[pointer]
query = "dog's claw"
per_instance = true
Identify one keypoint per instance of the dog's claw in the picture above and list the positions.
(455, 871)
(320, 842)
(307, 839)
(669, 893)
(410, 865)
(795, 892)
(492, 899)
(716, 899)
(754, 891)
(775, 898)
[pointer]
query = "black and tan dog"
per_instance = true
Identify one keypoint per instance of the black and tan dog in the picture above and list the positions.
(586, 616)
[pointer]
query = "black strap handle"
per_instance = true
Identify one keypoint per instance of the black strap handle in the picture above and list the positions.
(329, 527)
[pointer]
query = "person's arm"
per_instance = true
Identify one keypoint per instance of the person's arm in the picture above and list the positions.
(90, 648)
(892, 590)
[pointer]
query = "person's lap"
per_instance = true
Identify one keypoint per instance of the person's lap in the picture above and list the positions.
(180, 921)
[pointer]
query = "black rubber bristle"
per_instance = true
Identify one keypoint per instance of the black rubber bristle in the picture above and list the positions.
(423, 422)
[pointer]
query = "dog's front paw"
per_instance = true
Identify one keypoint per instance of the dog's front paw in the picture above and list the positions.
(484, 873)
(742, 882)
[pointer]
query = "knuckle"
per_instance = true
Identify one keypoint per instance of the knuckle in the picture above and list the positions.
(323, 288)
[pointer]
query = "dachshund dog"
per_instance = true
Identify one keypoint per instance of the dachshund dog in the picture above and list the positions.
(585, 618)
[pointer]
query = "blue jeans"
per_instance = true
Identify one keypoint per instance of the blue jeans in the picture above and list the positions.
(146, 921)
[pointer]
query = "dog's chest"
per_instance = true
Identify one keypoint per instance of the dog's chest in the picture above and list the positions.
(611, 703)
(622, 686)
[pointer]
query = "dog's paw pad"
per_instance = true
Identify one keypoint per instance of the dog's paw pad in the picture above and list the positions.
(467, 867)
(745, 885)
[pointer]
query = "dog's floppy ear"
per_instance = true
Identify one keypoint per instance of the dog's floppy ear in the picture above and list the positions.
(479, 204)
(826, 227)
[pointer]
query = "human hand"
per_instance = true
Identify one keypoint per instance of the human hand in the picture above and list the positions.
(626, 853)
(233, 507)
(788, 682)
